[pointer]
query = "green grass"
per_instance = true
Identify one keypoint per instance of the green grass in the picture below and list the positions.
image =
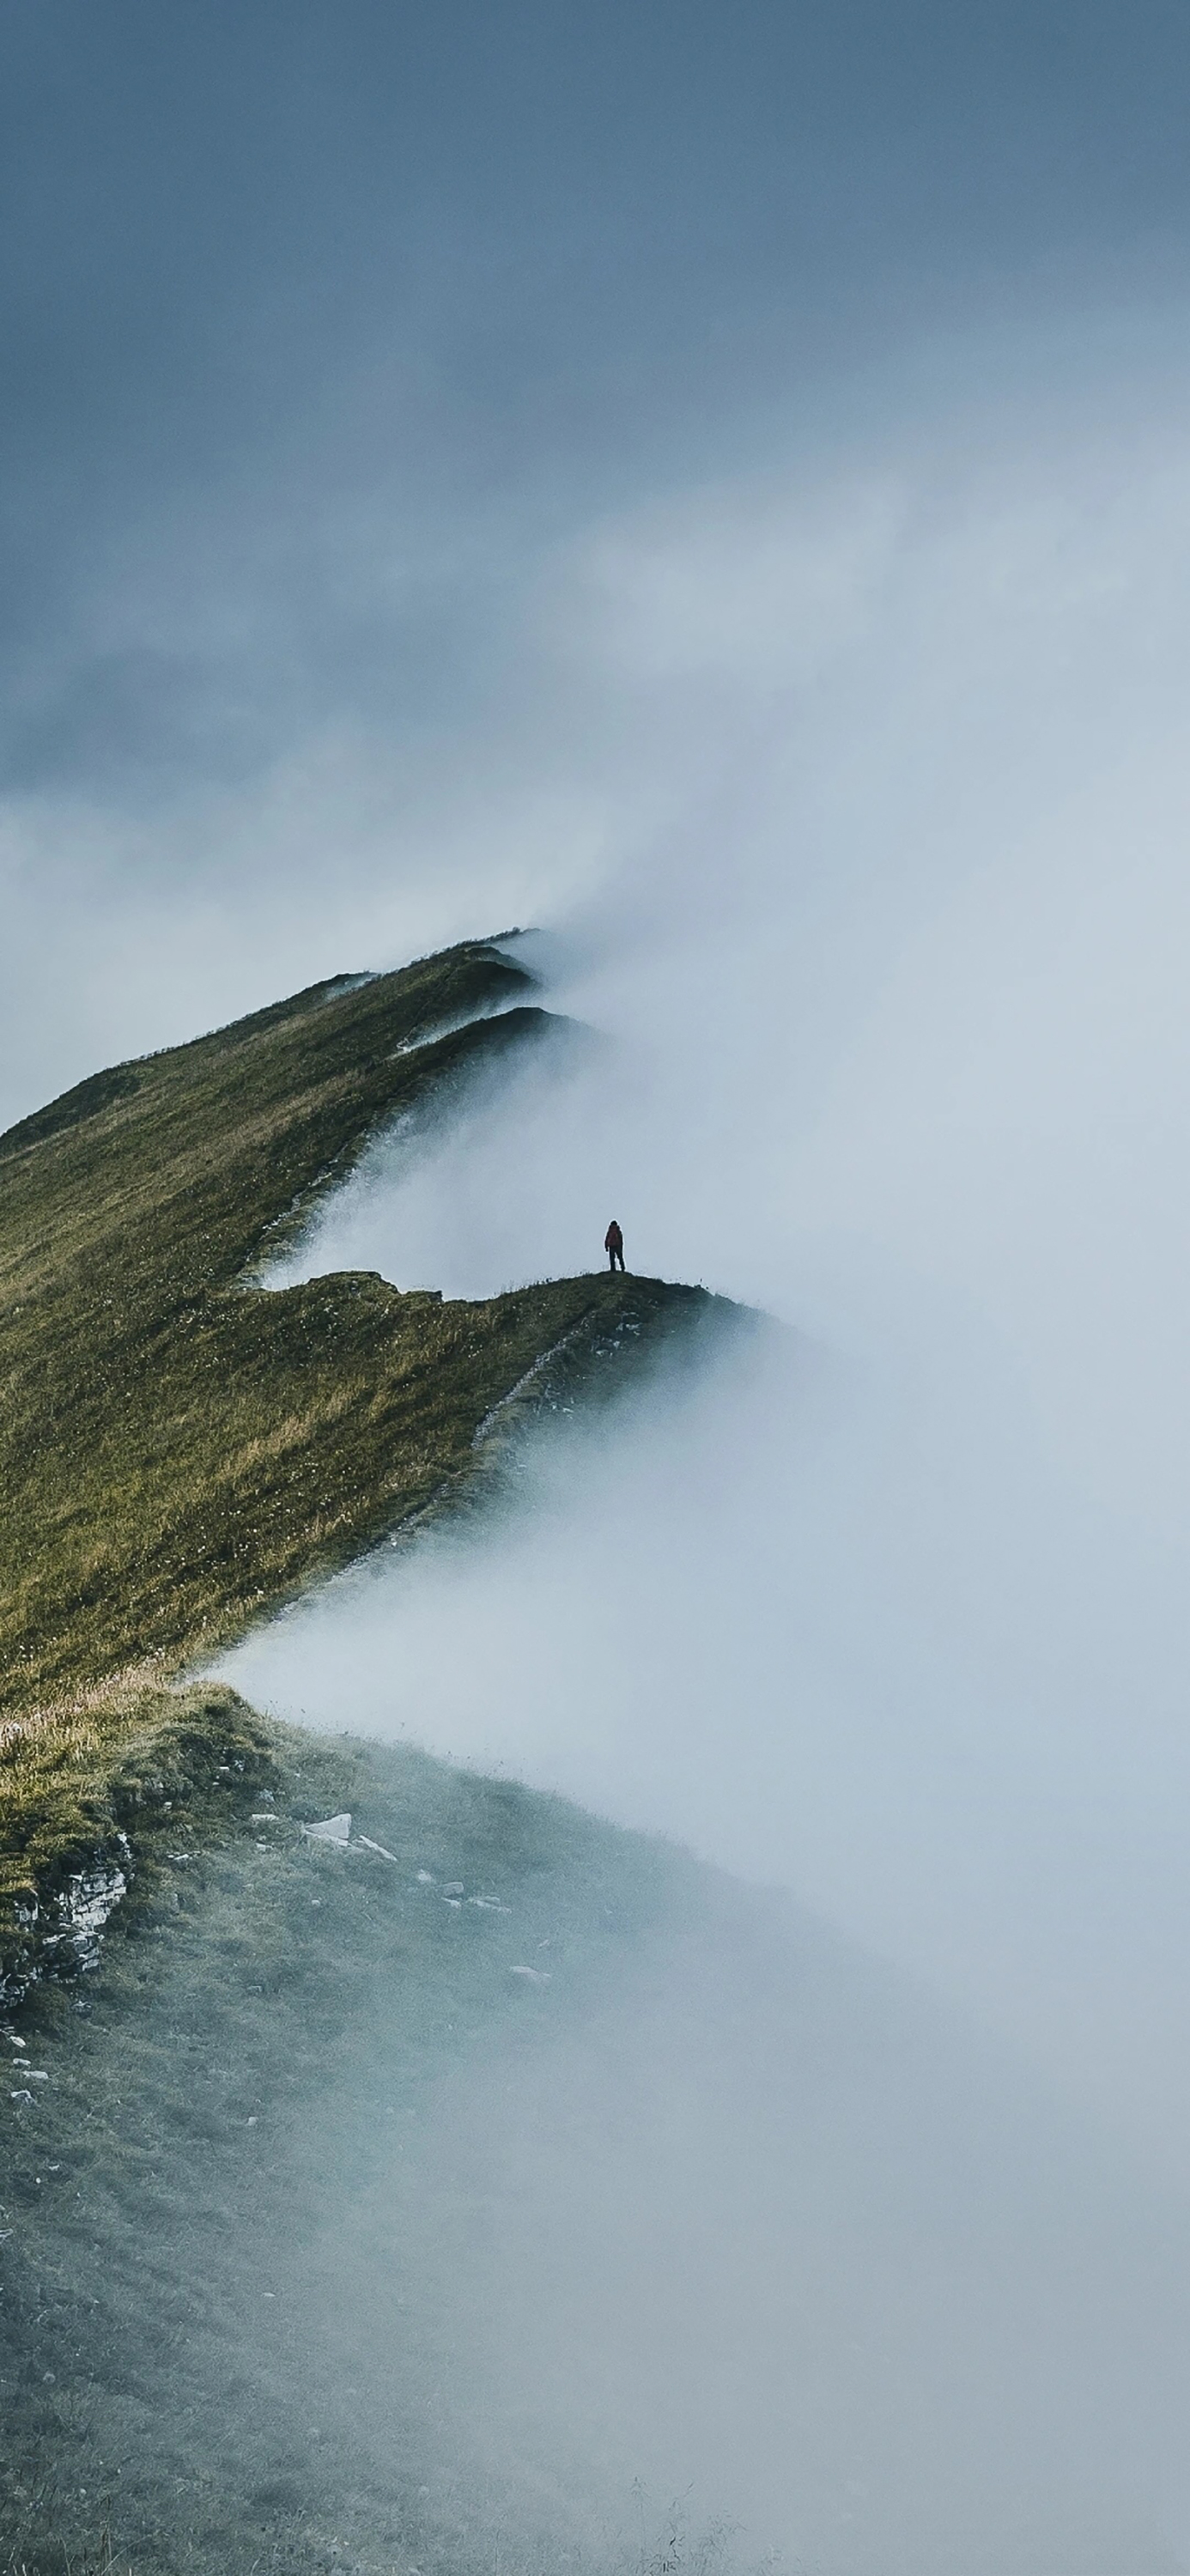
(180, 1450)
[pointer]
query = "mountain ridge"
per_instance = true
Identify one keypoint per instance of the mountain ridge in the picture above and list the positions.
(183, 1449)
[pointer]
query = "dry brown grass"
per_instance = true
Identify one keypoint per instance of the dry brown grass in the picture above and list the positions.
(179, 1451)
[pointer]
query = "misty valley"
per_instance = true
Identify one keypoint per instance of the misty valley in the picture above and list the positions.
(483, 2187)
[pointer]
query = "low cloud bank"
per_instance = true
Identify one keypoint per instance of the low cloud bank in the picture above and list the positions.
(893, 955)
(899, 1054)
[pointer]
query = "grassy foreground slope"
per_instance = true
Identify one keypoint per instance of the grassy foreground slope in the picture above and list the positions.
(179, 1449)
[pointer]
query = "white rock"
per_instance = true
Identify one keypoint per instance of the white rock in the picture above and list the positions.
(333, 1829)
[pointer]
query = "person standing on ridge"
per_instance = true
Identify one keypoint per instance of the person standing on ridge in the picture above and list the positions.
(613, 1245)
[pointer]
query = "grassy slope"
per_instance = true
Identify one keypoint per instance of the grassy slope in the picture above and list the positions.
(202, 2137)
(143, 2214)
(179, 1451)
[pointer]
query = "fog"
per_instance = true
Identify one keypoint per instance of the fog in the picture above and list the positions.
(709, 488)
(883, 917)
(751, 2227)
(898, 1055)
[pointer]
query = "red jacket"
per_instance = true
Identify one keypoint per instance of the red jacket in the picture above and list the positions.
(613, 1240)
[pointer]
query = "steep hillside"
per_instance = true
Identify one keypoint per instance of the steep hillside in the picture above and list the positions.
(180, 1448)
